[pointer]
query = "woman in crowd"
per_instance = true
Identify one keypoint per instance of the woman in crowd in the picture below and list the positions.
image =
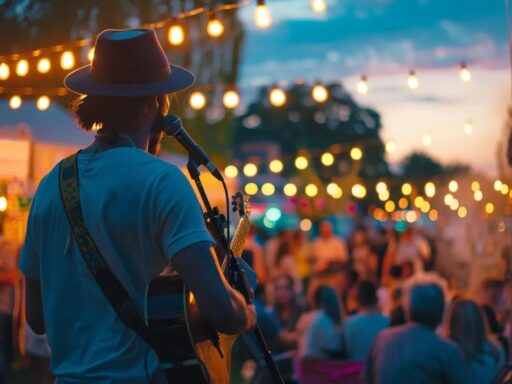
(467, 327)
(286, 265)
(319, 330)
(361, 255)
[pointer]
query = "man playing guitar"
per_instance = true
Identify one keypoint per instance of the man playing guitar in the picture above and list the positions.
(141, 212)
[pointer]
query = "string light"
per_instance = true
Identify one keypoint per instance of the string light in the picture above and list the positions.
(43, 103)
(475, 186)
(454, 204)
(67, 60)
(43, 65)
(3, 204)
(338, 193)
(389, 206)
(197, 100)
(175, 34)
(231, 171)
(319, 93)
(381, 187)
(318, 6)
(453, 186)
(262, 16)
(276, 166)
(418, 201)
(356, 153)
(250, 170)
(311, 190)
(403, 203)
(358, 191)
(425, 207)
(290, 189)
(362, 85)
(406, 189)
(327, 159)
(412, 80)
(448, 198)
(215, 28)
(332, 188)
(384, 195)
(305, 225)
(277, 97)
(301, 162)
(231, 99)
(90, 54)
(465, 75)
(390, 147)
(468, 127)
(22, 68)
(15, 102)
(504, 189)
(426, 140)
(4, 71)
(411, 216)
(268, 189)
(430, 189)
(497, 185)
(478, 195)
(251, 188)
(433, 215)
(489, 208)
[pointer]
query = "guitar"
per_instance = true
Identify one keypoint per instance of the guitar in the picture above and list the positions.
(190, 351)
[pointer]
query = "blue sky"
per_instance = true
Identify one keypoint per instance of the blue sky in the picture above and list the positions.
(384, 39)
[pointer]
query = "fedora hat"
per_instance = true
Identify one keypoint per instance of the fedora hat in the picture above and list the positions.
(128, 62)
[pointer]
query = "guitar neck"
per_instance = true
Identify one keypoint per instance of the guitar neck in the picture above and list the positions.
(241, 232)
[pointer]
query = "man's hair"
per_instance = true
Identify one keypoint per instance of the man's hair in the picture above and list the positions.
(425, 299)
(114, 113)
(367, 294)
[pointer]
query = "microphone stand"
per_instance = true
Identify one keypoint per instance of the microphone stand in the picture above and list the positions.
(236, 275)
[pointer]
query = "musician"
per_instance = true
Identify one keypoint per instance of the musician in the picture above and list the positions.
(141, 212)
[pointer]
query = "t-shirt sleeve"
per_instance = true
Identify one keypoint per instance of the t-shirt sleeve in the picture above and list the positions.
(180, 217)
(29, 258)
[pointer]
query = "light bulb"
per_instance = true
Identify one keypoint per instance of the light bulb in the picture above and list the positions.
(15, 102)
(43, 65)
(231, 99)
(318, 6)
(176, 35)
(4, 71)
(426, 140)
(262, 16)
(390, 147)
(67, 60)
(465, 74)
(301, 162)
(311, 190)
(358, 191)
(22, 68)
(327, 159)
(362, 85)
(412, 80)
(319, 93)
(277, 97)
(215, 28)
(276, 166)
(250, 170)
(356, 153)
(468, 128)
(43, 103)
(197, 100)
(290, 189)
(231, 171)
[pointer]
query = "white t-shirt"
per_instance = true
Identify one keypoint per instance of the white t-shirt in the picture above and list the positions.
(330, 250)
(140, 211)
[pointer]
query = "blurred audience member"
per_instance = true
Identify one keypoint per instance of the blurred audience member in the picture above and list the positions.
(490, 297)
(412, 248)
(318, 330)
(397, 314)
(360, 330)
(302, 251)
(414, 353)
(286, 265)
(328, 249)
(466, 326)
(272, 245)
(257, 261)
(379, 249)
(348, 290)
(361, 255)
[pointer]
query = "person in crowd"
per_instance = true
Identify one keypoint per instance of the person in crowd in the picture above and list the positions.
(272, 245)
(413, 352)
(466, 326)
(319, 330)
(287, 309)
(328, 249)
(490, 297)
(361, 255)
(257, 261)
(360, 330)
(397, 314)
(286, 265)
(8, 279)
(302, 251)
(385, 291)
(379, 248)
(347, 290)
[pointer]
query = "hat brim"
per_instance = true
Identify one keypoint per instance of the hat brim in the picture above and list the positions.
(80, 81)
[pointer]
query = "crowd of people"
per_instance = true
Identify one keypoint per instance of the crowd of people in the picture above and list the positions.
(371, 309)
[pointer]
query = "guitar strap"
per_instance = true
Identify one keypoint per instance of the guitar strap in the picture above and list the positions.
(96, 263)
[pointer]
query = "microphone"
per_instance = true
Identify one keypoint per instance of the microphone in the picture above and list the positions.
(172, 126)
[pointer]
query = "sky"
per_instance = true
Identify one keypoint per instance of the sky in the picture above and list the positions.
(384, 39)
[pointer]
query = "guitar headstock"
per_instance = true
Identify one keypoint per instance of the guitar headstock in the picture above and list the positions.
(240, 203)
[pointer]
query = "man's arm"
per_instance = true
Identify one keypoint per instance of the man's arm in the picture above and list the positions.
(34, 306)
(221, 306)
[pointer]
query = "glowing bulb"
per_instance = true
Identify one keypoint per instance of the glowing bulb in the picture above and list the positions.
(22, 68)
(403, 203)
(448, 198)
(4, 71)
(301, 162)
(497, 185)
(3, 204)
(430, 189)
(504, 189)
(468, 128)
(411, 216)
(418, 201)
(276, 166)
(412, 80)
(90, 54)
(489, 208)
(332, 188)
(43, 65)
(327, 159)
(262, 16)
(425, 207)
(384, 195)
(311, 190)
(319, 93)
(465, 74)
(306, 225)
(176, 35)
(215, 28)
(318, 6)
(406, 189)
(381, 187)
(290, 189)
(277, 97)
(268, 189)
(67, 60)
(390, 147)
(433, 215)
(337, 194)
(231, 171)
(475, 186)
(362, 86)
(356, 153)
(454, 204)
(426, 140)
(250, 170)
(358, 191)
(389, 206)
(197, 100)
(453, 186)
(478, 195)
(43, 103)
(231, 99)
(15, 102)
(251, 188)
